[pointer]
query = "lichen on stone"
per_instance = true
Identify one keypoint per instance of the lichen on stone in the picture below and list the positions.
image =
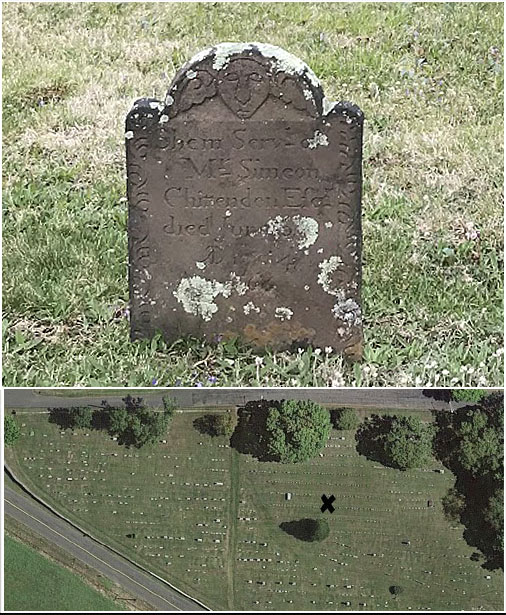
(347, 310)
(328, 267)
(197, 294)
(164, 118)
(129, 134)
(191, 74)
(317, 139)
(308, 230)
(250, 307)
(283, 313)
(200, 265)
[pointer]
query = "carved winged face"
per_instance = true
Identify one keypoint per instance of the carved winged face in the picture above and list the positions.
(243, 86)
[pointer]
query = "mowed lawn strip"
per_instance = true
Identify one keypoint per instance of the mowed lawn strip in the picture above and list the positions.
(34, 583)
(175, 485)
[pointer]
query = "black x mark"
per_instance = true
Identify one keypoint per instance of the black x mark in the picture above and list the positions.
(327, 503)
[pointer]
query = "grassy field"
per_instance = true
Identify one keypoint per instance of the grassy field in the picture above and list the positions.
(33, 582)
(429, 80)
(207, 518)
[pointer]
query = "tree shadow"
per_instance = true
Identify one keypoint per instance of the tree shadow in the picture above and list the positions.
(438, 394)
(368, 438)
(60, 417)
(308, 530)
(250, 436)
(204, 425)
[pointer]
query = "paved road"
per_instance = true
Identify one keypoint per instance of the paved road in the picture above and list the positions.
(136, 582)
(408, 399)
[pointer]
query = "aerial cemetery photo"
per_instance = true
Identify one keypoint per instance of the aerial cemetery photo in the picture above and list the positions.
(253, 194)
(257, 500)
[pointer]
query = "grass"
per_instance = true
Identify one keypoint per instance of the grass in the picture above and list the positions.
(429, 79)
(173, 490)
(33, 582)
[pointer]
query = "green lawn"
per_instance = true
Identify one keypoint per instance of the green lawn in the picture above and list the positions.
(34, 583)
(428, 77)
(206, 518)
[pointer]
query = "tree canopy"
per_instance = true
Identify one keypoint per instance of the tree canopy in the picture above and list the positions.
(216, 424)
(11, 431)
(296, 430)
(470, 395)
(133, 424)
(344, 418)
(470, 442)
(80, 417)
(402, 442)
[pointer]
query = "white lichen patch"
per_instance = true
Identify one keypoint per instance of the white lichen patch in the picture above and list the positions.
(191, 74)
(281, 60)
(275, 226)
(156, 105)
(164, 118)
(308, 231)
(240, 287)
(200, 265)
(303, 227)
(317, 139)
(347, 310)
(283, 313)
(328, 224)
(224, 51)
(250, 307)
(129, 134)
(308, 95)
(197, 294)
(169, 100)
(327, 268)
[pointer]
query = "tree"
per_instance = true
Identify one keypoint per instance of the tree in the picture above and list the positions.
(169, 407)
(216, 424)
(470, 442)
(494, 515)
(296, 430)
(309, 530)
(345, 419)
(135, 424)
(468, 395)
(409, 443)
(402, 442)
(80, 417)
(480, 445)
(11, 431)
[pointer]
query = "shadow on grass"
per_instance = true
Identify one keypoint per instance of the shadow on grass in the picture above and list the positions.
(250, 436)
(368, 438)
(308, 530)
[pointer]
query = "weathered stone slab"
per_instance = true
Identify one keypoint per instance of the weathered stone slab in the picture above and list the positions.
(244, 191)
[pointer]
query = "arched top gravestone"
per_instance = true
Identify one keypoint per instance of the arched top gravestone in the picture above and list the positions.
(244, 191)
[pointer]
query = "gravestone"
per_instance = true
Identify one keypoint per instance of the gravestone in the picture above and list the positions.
(244, 190)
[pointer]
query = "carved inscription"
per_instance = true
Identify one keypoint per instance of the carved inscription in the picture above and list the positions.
(244, 194)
